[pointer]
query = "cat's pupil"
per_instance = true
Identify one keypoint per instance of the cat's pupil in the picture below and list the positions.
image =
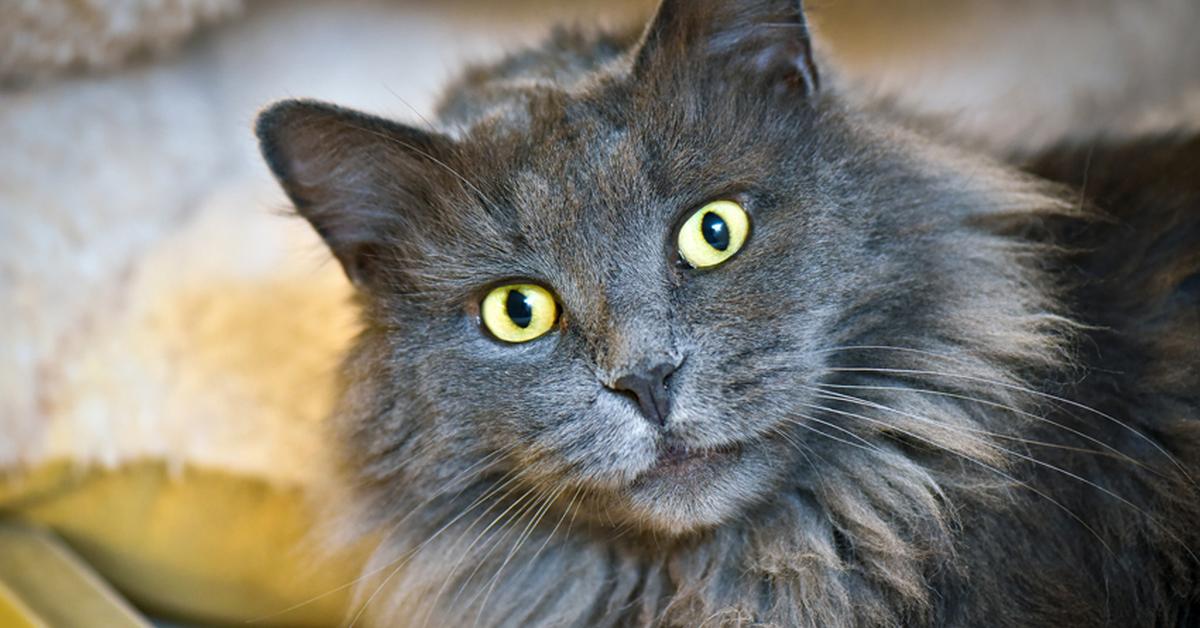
(715, 231)
(518, 309)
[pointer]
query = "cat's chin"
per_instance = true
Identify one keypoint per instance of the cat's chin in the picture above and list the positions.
(690, 489)
(679, 463)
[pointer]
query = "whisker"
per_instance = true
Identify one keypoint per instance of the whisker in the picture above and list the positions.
(429, 125)
(1112, 451)
(797, 445)
(403, 559)
(423, 153)
(868, 447)
(932, 354)
(1026, 390)
(998, 447)
(1149, 517)
(578, 492)
(991, 468)
(507, 527)
(502, 519)
(537, 518)
(462, 557)
(479, 465)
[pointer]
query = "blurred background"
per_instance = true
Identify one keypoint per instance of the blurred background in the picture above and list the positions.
(169, 337)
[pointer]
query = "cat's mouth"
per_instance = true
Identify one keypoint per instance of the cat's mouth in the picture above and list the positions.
(686, 487)
(678, 460)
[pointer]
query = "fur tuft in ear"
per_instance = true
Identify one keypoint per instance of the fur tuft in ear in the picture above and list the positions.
(356, 178)
(765, 40)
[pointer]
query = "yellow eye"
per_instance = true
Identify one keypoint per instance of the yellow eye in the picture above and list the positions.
(713, 234)
(519, 312)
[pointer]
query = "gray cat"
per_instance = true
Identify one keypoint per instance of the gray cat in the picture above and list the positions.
(658, 331)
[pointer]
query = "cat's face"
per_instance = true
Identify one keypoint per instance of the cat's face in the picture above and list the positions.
(668, 396)
(595, 211)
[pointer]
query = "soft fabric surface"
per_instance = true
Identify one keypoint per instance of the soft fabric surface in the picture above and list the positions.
(40, 37)
(200, 546)
(38, 573)
(170, 337)
(160, 303)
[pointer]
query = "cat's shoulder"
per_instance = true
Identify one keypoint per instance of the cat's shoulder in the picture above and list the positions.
(1139, 262)
(1134, 175)
(1146, 193)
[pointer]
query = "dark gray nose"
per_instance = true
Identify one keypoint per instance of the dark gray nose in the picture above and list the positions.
(649, 388)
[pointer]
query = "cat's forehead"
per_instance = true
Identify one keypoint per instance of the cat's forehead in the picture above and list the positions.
(575, 200)
(612, 143)
(590, 182)
(582, 179)
(586, 215)
(567, 160)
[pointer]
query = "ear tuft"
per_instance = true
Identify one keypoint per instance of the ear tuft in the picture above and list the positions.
(767, 41)
(356, 178)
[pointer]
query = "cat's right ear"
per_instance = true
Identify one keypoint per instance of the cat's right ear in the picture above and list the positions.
(764, 42)
(358, 179)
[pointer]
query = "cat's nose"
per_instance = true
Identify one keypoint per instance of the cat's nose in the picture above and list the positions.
(649, 388)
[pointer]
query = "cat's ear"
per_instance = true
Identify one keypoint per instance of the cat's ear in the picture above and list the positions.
(358, 179)
(766, 41)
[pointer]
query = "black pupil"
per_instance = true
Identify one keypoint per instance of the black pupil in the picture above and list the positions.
(715, 231)
(518, 308)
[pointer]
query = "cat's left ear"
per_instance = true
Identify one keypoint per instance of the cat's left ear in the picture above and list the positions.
(766, 41)
(361, 181)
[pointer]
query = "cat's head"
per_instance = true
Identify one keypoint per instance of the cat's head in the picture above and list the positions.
(637, 285)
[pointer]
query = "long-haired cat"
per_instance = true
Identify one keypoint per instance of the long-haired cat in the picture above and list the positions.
(659, 331)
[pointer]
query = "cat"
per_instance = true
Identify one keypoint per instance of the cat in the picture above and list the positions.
(660, 329)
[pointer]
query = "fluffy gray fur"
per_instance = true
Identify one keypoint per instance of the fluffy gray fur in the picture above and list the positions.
(880, 393)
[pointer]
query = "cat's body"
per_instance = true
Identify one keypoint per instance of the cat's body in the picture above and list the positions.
(930, 391)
